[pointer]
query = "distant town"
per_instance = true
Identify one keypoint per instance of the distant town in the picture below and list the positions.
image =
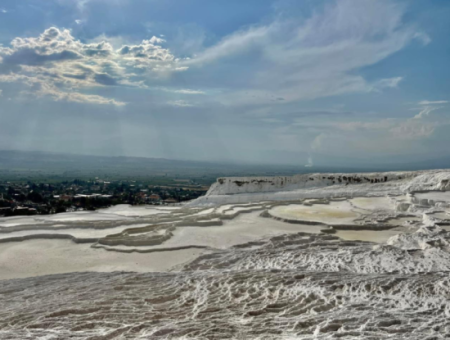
(31, 198)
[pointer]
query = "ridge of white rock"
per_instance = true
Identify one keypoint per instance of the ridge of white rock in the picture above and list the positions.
(229, 190)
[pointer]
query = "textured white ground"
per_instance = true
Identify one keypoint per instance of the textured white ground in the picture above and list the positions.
(436, 196)
(85, 233)
(320, 256)
(127, 210)
(377, 236)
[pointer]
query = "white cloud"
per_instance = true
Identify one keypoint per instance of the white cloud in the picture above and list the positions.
(188, 91)
(147, 50)
(425, 112)
(359, 126)
(44, 87)
(413, 129)
(427, 106)
(341, 135)
(390, 128)
(304, 59)
(424, 38)
(428, 102)
(388, 82)
(236, 43)
(57, 95)
(60, 66)
(180, 103)
(318, 141)
(181, 68)
(291, 58)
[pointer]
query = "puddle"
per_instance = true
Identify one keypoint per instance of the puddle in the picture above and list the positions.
(245, 228)
(333, 213)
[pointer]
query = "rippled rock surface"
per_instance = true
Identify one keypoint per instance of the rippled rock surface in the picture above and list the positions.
(319, 256)
(298, 286)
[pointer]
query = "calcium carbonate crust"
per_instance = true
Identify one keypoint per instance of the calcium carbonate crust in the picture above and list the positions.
(281, 188)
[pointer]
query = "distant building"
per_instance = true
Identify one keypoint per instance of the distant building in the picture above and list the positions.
(65, 198)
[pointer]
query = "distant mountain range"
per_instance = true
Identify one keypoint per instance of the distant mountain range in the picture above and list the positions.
(15, 164)
(37, 164)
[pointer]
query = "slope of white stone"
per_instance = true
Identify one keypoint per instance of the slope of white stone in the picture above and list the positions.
(297, 286)
(283, 188)
(267, 270)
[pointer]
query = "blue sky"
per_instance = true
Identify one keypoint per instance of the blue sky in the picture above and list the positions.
(288, 81)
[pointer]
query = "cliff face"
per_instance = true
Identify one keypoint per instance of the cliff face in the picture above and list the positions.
(251, 189)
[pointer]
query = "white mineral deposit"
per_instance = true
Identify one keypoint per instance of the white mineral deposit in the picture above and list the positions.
(317, 256)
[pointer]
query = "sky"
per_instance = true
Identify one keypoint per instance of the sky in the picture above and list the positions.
(301, 82)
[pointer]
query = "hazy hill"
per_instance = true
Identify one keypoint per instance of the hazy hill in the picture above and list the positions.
(34, 164)
(15, 164)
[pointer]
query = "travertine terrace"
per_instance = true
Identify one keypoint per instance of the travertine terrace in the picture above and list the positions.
(318, 256)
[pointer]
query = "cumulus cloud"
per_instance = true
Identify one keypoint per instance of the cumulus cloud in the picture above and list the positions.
(147, 50)
(66, 65)
(105, 79)
(44, 87)
(288, 59)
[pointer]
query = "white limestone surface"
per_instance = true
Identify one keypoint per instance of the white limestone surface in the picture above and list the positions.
(244, 262)
(283, 188)
(244, 228)
(44, 257)
(128, 210)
